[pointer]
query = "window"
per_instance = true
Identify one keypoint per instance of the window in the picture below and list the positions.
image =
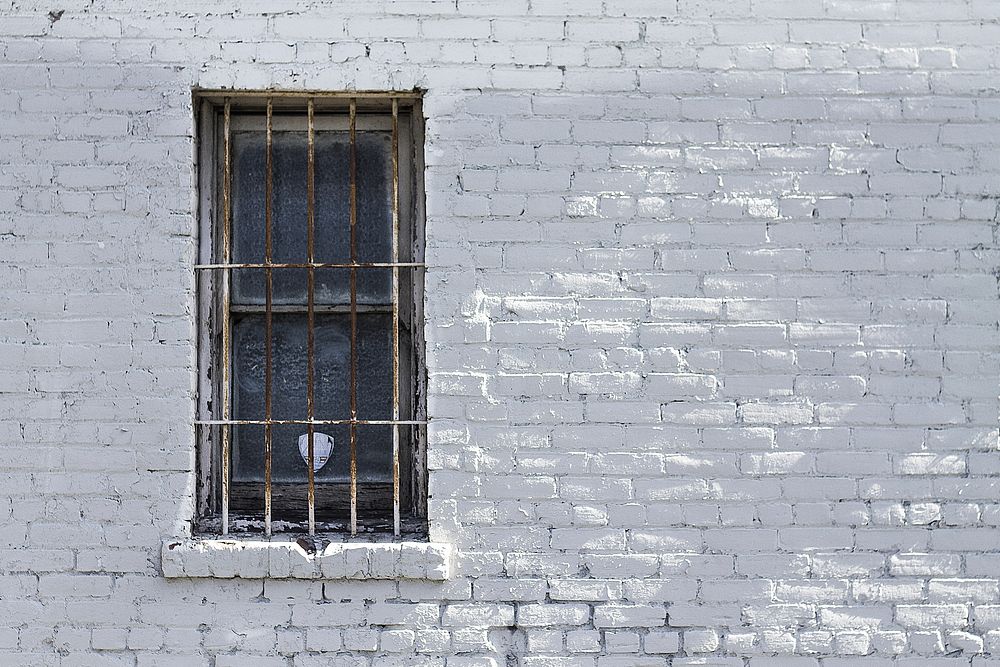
(311, 406)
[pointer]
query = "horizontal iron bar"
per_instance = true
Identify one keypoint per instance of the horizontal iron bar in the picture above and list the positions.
(319, 308)
(305, 422)
(314, 265)
(339, 94)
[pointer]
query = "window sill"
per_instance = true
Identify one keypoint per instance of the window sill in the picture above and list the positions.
(284, 559)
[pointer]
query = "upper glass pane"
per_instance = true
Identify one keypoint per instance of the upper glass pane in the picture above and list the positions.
(289, 212)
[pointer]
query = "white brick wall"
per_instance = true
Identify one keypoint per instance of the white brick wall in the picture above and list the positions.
(711, 323)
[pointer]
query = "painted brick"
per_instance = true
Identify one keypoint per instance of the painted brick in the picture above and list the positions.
(710, 316)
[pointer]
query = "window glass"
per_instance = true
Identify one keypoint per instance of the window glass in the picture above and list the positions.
(235, 315)
(332, 394)
(332, 222)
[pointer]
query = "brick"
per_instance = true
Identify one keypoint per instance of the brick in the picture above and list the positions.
(710, 324)
(628, 616)
(541, 615)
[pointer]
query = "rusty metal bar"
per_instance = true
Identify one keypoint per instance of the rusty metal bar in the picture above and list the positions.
(353, 167)
(315, 265)
(268, 223)
(320, 94)
(319, 308)
(269, 308)
(395, 316)
(315, 422)
(311, 251)
(227, 184)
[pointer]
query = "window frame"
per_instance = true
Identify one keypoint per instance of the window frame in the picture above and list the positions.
(330, 111)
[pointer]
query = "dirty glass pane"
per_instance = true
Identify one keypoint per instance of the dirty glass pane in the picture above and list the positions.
(289, 213)
(289, 364)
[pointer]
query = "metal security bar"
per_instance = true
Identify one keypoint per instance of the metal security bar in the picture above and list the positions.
(224, 274)
(311, 327)
(353, 166)
(314, 265)
(395, 316)
(268, 314)
(227, 222)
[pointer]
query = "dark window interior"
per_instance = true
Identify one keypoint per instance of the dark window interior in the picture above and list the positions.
(332, 308)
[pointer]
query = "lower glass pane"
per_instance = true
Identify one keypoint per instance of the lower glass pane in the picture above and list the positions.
(332, 396)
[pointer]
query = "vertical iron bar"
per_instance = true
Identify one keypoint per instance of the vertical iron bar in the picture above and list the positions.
(395, 316)
(354, 316)
(267, 322)
(311, 251)
(226, 330)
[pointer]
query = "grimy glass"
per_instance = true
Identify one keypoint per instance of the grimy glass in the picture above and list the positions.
(268, 266)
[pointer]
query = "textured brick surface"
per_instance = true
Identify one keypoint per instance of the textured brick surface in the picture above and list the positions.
(711, 321)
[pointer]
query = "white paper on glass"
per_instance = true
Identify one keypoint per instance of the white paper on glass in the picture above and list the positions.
(322, 449)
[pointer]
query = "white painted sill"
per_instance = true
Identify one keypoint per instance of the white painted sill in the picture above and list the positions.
(284, 559)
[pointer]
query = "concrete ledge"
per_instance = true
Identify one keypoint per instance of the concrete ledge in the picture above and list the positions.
(258, 559)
